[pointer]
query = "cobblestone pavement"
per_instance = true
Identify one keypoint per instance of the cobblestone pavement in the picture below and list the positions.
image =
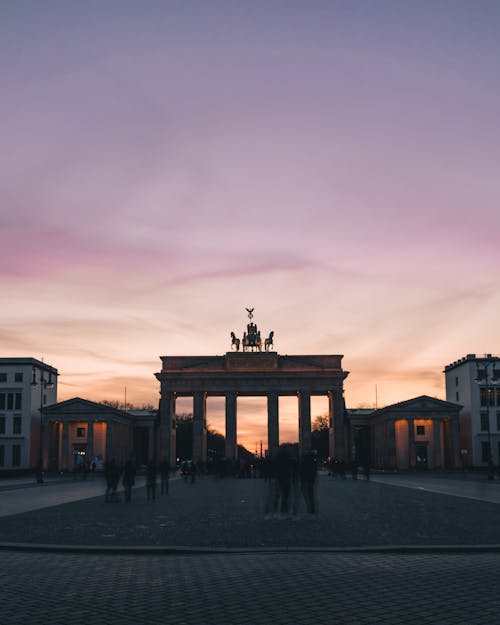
(338, 589)
(473, 487)
(230, 514)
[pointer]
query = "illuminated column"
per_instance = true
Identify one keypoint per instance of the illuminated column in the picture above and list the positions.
(304, 422)
(390, 443)
(336, 405)
(109, 441)
(90, 440)
(64, 447)
(199, 427)
(272, 422)
(411, 444)
(437, 444)
(231, 429)
(167, 427)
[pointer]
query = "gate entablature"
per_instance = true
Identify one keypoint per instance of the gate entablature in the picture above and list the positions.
(251, 374)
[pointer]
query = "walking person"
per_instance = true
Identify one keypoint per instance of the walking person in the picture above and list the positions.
(164, 476)
(366, 469)
(151, 481)
(308, 474)
(109, 473)
(284, 477)
(128, 479)
(39, 472)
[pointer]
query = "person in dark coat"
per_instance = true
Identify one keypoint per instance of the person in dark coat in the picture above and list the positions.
(366, 469)
(128, 479)
(308, 474)
(164, 475)
(151, 482)
(110, 473)
(283, 472)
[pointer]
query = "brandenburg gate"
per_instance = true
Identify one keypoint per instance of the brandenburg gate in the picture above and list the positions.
(251, 372)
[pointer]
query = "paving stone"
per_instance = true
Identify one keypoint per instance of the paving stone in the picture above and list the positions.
(254, 588)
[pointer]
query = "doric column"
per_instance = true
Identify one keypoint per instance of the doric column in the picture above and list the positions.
(438, 463)
(336, 404)
(199, 427)
(109, 441)
(272, 422)
(390, 454)
(64, 447)
(231, 419)
(304, 422)
(411, 444)
(90, 440)
(167, 432)
(455, 443)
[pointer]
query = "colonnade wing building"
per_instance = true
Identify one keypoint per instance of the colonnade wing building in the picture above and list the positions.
(250, 374)
(422, 432)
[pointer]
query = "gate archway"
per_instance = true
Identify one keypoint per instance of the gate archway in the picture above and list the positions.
(240, 374)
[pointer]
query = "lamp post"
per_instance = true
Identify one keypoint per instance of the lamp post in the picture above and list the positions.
(44, 384)
(463, 456)
(483, 376)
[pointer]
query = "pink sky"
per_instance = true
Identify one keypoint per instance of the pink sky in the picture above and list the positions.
(332, 163)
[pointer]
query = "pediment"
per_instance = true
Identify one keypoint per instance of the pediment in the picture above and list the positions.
(417, 406)
(84, 408)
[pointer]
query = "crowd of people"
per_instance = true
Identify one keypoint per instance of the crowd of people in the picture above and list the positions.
(113, 472)
(290, 480)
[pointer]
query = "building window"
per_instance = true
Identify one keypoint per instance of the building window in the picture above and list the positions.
(2, 424)
(17, 425)
(18, 376)
(420, 430)
(487, 396)
(10, 401)
(482, 392)
(485, 452)
(2, 455)
(457, 396)
(3, 377)
(16, 455)
(2, 401)
(498, 396)
(485, 421)
(80, 432)
(18, 404)
(456, 380)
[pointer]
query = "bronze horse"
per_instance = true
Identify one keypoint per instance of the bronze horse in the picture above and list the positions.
(235, 342)
(268, 343)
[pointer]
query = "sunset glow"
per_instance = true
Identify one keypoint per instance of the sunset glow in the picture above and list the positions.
(167, 164)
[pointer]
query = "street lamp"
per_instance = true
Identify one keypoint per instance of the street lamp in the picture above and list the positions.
(483, 376)
(463, 456)
(43, 385)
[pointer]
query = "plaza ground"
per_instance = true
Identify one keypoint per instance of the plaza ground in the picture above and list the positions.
(259, 578)
(229, 513)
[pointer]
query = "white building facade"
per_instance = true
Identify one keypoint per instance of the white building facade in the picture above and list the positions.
(471, 382)
(26, 386)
